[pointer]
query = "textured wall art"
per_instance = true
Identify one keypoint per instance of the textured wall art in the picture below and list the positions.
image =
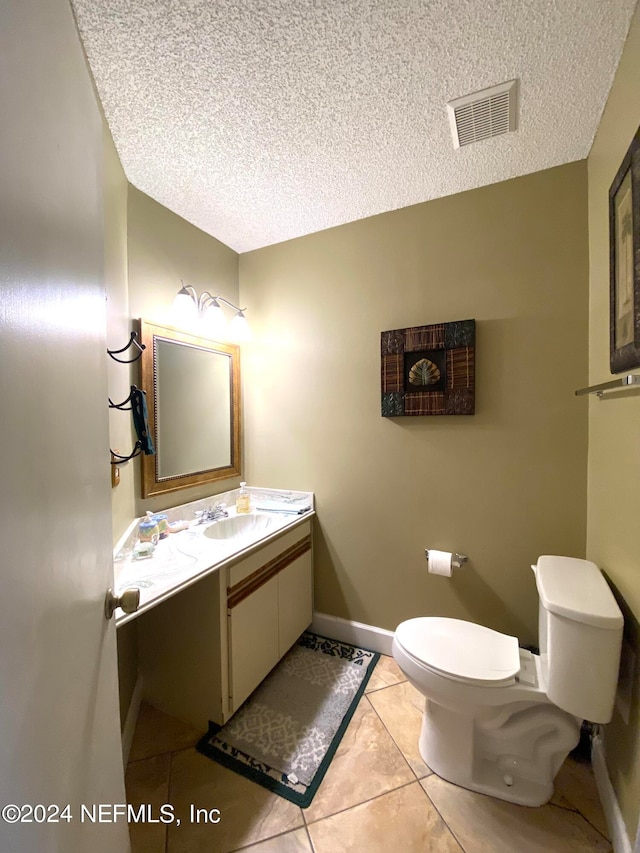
(428, 370)
(624, 262)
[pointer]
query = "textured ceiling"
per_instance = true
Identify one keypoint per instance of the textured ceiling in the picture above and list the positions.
(263, 120)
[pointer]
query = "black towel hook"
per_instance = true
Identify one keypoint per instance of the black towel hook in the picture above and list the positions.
(123, 405)
(117, 459)
(132, 342)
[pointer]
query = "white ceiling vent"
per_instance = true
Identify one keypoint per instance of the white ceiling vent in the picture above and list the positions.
(481, 115)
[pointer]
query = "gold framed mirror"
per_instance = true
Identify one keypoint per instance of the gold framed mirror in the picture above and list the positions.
(193, 400)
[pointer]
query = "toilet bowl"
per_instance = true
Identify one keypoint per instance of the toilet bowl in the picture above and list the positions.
(499, 719)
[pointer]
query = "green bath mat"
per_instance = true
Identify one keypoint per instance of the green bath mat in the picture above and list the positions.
(287, 732)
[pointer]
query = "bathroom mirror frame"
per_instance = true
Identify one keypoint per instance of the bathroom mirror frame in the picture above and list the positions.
(152, 481)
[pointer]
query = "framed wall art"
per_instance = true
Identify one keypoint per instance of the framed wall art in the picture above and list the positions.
(428, 370)
(624, 262)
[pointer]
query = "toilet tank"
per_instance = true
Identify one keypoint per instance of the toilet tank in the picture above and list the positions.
(580, 629)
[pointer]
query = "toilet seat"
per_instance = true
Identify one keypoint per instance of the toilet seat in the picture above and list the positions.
(461, 651)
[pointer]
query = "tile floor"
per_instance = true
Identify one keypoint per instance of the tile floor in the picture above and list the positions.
(378, 795)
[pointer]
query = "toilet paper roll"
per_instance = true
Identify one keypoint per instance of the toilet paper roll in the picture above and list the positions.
(440, 562)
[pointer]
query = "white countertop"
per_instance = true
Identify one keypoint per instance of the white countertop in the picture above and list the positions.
(184, 558)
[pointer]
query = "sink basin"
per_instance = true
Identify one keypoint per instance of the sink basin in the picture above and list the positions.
(240, 526)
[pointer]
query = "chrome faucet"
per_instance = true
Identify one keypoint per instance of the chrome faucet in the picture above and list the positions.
(213, 513)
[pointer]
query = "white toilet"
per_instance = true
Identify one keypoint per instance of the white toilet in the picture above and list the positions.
(499, 719)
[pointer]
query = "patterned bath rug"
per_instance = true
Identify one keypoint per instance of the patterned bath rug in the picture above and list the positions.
(288, 730)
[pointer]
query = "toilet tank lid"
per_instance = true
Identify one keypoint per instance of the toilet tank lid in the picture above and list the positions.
(577, 589)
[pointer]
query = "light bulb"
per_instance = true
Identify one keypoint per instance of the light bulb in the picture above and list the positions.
(184, 309)
(213, 320)
(239, 330)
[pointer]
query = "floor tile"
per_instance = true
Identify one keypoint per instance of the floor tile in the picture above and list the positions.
(366, 764)
(248, 812)
(147, 783)
(400, 709)
(386, 672)
(157, 733)
(487, 825)
(292, 842)
(402, 820)
(369, 800)
(575, 787)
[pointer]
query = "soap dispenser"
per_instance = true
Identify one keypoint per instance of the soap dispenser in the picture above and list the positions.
(243, 501)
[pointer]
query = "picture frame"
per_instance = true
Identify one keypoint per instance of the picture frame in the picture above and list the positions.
(428, 370)
(624, 262)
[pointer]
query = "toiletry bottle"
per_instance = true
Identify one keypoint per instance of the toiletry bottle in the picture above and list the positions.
(243, 501)
(161, 520)
(148, 531)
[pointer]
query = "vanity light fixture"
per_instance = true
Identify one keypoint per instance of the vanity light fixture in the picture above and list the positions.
(188, 308)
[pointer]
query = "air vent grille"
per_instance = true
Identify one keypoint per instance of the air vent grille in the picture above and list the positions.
(482, 115)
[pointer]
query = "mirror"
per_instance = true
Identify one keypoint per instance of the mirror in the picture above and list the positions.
(193, 401)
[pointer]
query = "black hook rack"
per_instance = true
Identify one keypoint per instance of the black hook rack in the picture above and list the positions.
(134, 403)
(132, 342)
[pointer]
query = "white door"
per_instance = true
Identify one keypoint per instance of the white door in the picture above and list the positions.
(59, 726)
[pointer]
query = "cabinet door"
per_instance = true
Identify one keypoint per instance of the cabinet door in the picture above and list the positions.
(253, 640)
(295, 601)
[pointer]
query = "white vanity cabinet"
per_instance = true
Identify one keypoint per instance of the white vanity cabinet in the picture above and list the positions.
(269, 604)
(204, 651)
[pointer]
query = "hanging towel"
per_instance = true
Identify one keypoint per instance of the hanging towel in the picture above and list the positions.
(140, 420)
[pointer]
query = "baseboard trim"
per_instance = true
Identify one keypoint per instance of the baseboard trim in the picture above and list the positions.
(132, 718)
(357, 633)
(610, 806)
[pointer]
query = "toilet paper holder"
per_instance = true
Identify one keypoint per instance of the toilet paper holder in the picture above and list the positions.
(456, 559)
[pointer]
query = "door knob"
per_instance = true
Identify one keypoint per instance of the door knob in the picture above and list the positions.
(129, 601)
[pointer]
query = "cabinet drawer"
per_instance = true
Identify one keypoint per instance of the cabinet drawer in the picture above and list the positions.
(256, 561)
